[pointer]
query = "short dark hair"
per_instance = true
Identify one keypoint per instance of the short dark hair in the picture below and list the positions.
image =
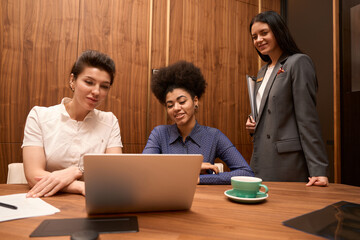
(280, 31)
(92, 58)
(181, 74)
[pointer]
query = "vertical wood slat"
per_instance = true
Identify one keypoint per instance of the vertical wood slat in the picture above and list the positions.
(158, 59)
(151, 7)
(336, 74)
(273, 5)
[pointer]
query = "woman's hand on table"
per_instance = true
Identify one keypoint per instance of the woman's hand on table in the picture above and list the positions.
(321, 181)
(208, 166)
(53, 182)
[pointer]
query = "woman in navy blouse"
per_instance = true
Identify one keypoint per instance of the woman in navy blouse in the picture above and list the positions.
(179, 87)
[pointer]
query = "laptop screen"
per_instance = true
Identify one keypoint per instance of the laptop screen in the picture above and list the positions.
(140, 182)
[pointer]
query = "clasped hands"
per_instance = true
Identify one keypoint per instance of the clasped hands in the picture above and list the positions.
(55, 181)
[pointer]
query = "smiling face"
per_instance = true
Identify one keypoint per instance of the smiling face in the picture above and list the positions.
(181, 107)
(90, 88)
(264, 39)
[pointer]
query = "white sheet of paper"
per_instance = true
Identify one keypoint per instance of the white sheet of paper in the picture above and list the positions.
(26, 207)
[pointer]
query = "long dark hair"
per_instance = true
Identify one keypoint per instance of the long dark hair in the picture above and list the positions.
(280, 31)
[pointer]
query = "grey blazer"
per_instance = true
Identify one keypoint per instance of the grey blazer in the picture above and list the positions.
(287, 138)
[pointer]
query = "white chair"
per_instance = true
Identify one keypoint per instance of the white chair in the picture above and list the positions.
(220, 166)
(16, 174)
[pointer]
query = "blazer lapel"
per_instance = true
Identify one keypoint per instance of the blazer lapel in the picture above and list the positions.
(269, 84)
(259, 79)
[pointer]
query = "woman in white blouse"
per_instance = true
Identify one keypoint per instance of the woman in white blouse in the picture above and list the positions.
(56, 137)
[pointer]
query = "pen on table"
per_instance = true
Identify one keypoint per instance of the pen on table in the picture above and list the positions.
(8, 205)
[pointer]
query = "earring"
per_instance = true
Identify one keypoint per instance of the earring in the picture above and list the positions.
(71, 86)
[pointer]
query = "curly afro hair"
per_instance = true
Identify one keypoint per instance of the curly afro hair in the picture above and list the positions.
(181, 74)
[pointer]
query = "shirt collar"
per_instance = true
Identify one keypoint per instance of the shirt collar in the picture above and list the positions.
(66, 114)
(195, 134)
(62, 107)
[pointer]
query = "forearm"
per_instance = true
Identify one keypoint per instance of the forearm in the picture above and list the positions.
(236, 162)
(153, 145)
(34, 164)
(214, 179)
(224, 177)
(56, 181)
(32, 176)
(76, 186)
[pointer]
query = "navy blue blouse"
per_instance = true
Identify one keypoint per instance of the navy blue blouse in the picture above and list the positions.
(210, 142)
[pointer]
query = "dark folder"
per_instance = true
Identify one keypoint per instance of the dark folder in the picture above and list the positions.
(63, 227)
(339, 221)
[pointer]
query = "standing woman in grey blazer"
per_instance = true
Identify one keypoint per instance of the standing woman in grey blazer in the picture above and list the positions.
(286, 130)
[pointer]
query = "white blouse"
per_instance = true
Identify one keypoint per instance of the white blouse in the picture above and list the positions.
(261, 89)
(65, 140)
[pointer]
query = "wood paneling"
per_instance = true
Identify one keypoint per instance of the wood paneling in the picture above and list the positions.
(157, 114)
(214, 36)
(133, 148)
(120, 29)
(38, 44)
(267, 5)
(41, 39)
(336, 86)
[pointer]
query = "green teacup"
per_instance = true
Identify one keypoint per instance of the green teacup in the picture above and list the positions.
(247, 187)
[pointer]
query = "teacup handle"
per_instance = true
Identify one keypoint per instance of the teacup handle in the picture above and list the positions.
(264, 186)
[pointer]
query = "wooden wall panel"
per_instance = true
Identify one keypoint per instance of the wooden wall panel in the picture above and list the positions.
(336, 87)
(157, 112)
(215, 36)
(120, 29)
(38, 42)
(274, 5)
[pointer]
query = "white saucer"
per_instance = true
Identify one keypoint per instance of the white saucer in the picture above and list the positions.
(258, 198)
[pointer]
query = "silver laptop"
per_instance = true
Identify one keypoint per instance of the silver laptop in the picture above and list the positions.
(116, 183)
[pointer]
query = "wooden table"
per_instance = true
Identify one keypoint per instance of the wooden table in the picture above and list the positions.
(212, 215)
